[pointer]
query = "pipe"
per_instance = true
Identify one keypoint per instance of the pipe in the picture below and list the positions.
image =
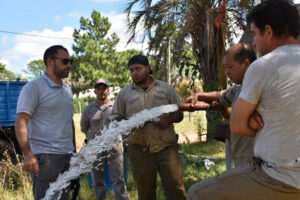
(190, 107)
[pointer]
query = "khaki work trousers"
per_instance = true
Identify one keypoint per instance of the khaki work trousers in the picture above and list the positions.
(243, 184)
(145, 166)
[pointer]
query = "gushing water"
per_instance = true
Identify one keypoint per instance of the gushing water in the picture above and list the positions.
(84, 159)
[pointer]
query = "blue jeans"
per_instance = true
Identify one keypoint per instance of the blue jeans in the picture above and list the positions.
(50, 166)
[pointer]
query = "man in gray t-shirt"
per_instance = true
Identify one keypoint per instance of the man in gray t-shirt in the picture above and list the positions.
(44, 126)
(271, 87)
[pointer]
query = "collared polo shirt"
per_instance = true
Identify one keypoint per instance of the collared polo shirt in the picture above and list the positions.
(50, 107)
(133, 99)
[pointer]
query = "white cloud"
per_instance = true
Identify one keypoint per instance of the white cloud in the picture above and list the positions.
(7, 64)
(33, 46)
(57, 18)
(4, 40)
(119, 26)
(4, 61)
(27, 48)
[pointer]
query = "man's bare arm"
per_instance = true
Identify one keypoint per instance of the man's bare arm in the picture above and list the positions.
(203, 96)
(30, 162)
(239, 120)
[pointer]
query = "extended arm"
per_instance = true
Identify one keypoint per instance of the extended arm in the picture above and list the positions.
(240, 115)
(203, 96)
(30, 162)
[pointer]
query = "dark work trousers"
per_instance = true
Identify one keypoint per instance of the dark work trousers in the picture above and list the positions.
(50, 166)
(145, 166)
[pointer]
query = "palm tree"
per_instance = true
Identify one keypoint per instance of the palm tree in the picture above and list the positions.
(180, 24)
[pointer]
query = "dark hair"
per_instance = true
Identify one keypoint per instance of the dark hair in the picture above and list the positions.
(281, 15)
(51, 52)
(139, 59)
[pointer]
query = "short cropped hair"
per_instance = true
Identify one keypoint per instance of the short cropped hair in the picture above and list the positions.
(51, 52)
(243, 53)
(281, 15)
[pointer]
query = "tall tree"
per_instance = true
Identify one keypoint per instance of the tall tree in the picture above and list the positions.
(35, 68)
(95, 55)
(94, 51)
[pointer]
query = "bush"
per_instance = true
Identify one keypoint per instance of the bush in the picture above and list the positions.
(187, 87)
(12, 176)
(81, 103)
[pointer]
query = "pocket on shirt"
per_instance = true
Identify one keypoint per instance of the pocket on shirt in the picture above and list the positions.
(134, 105)
(159, 99)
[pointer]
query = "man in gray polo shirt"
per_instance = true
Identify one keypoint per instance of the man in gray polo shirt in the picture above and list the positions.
(44, 125)
(95, 117)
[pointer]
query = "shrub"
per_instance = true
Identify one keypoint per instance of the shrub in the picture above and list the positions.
(81, 103)
(187, 87)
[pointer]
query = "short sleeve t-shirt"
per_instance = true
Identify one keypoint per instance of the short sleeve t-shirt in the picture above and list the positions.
(273, 84)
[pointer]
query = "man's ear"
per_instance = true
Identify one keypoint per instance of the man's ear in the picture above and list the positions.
(49, 62)
(247, 63)
(269, 32)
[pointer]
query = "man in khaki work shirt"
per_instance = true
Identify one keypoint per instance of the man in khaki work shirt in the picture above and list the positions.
(152, 148)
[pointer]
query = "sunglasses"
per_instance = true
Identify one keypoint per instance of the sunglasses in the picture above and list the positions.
(65, 61)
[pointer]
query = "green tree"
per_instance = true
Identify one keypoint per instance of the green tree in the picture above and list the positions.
(121, 76)
(6, 75)
(94, 52)
(35, 68)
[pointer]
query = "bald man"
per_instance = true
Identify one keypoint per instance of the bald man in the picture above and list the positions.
(236, 61)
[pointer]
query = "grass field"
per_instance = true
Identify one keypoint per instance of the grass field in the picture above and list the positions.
(17, 183)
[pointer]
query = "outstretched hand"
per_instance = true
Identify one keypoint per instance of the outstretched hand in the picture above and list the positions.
(192, 99)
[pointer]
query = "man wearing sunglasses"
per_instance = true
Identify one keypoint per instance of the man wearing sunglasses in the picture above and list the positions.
(44, 125)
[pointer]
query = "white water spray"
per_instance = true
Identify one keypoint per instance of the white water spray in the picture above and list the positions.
(84, 159)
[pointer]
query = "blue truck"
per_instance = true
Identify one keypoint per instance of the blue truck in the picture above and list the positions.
(9, 93)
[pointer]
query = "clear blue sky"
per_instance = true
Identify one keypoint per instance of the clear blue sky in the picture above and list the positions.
(56, 18)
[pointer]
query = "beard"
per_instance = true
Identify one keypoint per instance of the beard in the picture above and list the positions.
(60, 73)
(142, 80)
